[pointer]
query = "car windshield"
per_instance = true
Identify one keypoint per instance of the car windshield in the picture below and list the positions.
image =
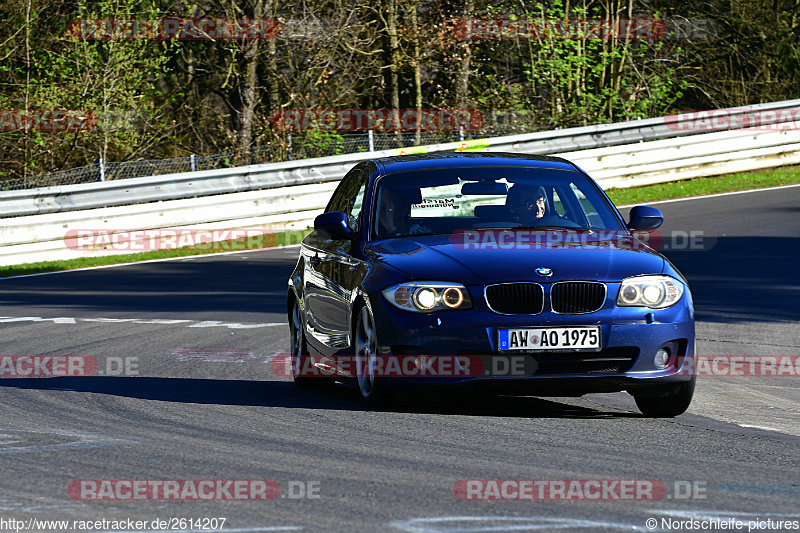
(448, 200)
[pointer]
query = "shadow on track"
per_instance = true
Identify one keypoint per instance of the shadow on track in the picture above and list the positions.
(250, 283)
(284, 394)
(742, 279)
(733, 279)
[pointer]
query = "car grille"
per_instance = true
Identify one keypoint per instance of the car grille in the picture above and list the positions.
(515, 298)
(575, 297)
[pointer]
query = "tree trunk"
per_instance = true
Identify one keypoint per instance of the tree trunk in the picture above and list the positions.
(465, 57)
(394, 59)
(248, 87)
(273, 91)
(417, 73)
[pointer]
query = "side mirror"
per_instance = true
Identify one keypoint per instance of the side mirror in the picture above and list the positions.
(334, 224)
(644, 217)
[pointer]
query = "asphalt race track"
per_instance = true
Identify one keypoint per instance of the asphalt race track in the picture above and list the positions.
(184, 390)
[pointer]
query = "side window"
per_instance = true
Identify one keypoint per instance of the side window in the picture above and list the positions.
(355, 206)
(349, 197)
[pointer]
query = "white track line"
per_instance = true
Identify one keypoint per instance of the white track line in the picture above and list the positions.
(715, 195)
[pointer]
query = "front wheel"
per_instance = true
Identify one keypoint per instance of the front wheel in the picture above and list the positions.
(365, 343)
(673, 403)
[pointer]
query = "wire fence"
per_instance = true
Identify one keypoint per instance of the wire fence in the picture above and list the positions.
(299, 147)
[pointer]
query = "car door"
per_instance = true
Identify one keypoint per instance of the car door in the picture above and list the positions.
(331, 271)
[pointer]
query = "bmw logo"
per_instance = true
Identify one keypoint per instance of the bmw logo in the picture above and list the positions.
(544, 271)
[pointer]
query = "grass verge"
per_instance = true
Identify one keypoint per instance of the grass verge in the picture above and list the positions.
(275, 239)
(632, 195)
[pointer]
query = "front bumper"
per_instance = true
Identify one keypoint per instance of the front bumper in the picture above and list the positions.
(630, 338)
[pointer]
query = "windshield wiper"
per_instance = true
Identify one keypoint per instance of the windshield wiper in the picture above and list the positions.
(551, 227)
(412, 235)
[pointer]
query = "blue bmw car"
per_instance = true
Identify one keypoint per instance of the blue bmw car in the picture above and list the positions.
(508, 273)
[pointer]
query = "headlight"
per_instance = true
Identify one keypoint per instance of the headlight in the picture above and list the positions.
(656, 292)
(428, 296)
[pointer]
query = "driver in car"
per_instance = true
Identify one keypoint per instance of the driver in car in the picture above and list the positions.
(528, 203)
(394, 215)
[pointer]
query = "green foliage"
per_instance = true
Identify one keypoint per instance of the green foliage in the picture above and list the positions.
(114, 81)
(158, 99)
(590, 80)
(323, 142)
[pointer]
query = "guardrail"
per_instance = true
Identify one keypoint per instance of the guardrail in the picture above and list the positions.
(290, 194)
(288, 173)
(300, 146)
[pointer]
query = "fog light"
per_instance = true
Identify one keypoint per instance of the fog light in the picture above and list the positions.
(661, 358)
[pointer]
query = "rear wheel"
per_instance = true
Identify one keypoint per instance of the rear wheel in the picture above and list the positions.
(673, 402)
(365, 343)
(300, 355)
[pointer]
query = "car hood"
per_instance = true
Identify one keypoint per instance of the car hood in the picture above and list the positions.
(569, 255)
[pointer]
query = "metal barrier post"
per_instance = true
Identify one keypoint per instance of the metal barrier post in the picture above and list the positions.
(102, 168)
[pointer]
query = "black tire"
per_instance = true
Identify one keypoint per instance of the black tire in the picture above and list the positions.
(371, 387)
(673, 402)
(299, 352)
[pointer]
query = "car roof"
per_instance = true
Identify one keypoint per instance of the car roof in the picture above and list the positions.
(405, 163)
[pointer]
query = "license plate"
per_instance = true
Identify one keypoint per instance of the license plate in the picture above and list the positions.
(575, 338)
